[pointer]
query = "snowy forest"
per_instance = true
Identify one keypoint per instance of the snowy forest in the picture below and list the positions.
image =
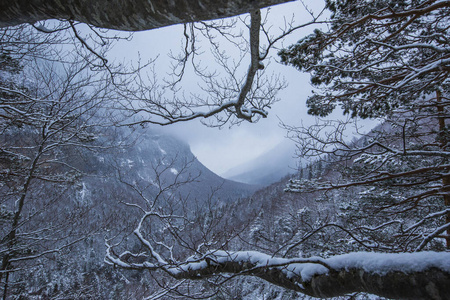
(97, 202)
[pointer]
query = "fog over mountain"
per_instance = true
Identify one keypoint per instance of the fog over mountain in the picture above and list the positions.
(173, 158)
(267, 168)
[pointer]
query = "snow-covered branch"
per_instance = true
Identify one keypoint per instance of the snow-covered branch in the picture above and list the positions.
(397, 276)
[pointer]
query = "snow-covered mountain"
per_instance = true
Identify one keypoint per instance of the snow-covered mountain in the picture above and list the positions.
(267, 168)
(116, 181)
(153, 149)
(150, 156)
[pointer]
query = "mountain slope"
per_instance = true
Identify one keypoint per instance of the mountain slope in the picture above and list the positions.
(268, 168)
(154, 149)
(115, 183)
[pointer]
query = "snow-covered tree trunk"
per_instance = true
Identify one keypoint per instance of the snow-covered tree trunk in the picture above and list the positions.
(131, 15)
(422, 275)
(443, 136)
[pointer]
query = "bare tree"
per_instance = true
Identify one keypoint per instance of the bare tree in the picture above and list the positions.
(175, 258)
(49, 108)
(229, 91)
(394, 174)
(232, 91)
(236, 88)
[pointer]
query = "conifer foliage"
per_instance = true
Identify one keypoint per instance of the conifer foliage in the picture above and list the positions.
(388, 60)
(376, 57)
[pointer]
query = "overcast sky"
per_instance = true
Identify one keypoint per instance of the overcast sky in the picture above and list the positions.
(223, 149)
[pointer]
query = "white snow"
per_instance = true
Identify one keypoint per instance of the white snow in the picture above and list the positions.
(163, 152)
(174, 171)
(306, 268)
(382, 263)
(84, 191)
(130, 163)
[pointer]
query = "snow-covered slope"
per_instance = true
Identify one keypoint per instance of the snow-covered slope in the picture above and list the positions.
(150, 153)
(115, 182)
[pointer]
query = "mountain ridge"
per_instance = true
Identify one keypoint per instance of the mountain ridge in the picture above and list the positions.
(267, 168)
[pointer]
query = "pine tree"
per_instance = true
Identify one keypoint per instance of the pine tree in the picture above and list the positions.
(386, 60)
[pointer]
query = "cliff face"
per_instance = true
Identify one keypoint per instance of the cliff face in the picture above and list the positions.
(126, 15)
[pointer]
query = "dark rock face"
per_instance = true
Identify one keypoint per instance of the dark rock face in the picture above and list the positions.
(131, 15)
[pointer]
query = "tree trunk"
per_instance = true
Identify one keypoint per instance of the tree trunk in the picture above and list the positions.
(420, 275)
(129, 15)
(444, 144)
(432, 282)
